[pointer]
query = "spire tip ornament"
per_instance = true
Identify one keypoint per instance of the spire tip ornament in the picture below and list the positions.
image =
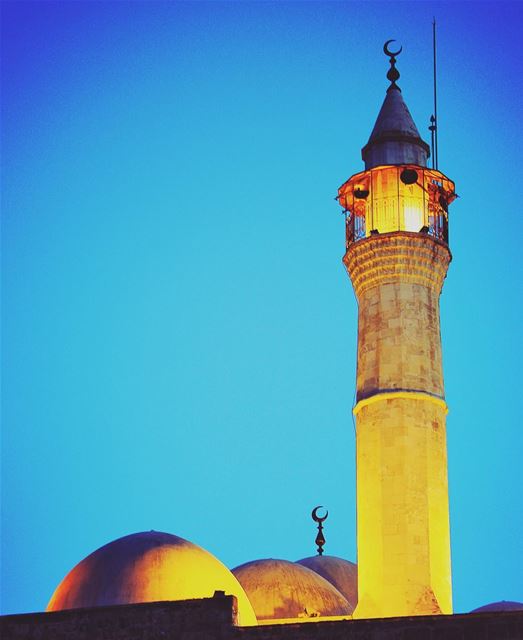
(393, 74)
(320, 538)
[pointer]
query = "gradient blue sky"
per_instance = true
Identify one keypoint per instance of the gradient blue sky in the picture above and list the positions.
(179, 334)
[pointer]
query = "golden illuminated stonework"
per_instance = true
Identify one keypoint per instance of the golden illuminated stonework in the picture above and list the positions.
(402, 497)
(397, 258)
(412, 257)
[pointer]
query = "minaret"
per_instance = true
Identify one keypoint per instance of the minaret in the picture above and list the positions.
(397, 258)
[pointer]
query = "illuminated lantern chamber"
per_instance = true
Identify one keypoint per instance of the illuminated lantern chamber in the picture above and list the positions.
(392, 198)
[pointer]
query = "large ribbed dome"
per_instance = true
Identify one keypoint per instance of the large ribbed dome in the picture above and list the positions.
(148, 567)
(278, 589)
(339, 572)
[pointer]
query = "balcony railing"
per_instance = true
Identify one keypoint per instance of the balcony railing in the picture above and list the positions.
(396, 198)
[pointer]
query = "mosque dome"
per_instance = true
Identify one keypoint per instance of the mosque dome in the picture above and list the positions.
(339, 572)
(148, 567)
(278, 589)
(502, 605)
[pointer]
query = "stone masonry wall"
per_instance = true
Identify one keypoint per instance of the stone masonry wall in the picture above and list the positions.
(205, 619)
(212, 619)
(402, 498)
(399, 343)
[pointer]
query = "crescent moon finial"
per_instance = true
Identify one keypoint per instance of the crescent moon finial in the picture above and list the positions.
(320, 538)
(315, 515)
(390, 53)
(393, 74)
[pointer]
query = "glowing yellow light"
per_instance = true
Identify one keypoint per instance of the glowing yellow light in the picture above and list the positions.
(380, 201)
(413, 217)
(393, 395)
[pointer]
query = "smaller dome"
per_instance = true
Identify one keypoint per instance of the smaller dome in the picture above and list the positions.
(502, 605)
(339, 572)
(278, 589)
(148, 567)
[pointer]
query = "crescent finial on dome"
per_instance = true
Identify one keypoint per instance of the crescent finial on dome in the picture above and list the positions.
(320, 538)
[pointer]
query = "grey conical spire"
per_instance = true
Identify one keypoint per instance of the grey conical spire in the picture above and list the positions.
(395, 138)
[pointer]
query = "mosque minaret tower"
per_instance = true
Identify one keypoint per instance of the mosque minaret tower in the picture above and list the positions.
(397, 255)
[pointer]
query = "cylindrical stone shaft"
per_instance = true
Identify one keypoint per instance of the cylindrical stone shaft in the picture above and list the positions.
(402, 494)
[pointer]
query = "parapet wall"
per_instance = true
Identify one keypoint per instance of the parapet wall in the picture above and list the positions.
(472, 626)
(215, 618)
(205, 619)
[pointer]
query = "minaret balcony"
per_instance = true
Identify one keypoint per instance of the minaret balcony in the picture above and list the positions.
(389, 198)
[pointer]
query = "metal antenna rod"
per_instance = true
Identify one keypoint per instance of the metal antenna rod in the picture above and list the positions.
(435, 124)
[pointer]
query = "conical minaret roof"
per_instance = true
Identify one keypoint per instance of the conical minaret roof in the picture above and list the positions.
(395, 138)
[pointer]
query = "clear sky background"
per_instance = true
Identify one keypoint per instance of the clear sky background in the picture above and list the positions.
(179, 334)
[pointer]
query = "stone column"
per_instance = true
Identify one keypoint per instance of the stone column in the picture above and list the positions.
(404, 563)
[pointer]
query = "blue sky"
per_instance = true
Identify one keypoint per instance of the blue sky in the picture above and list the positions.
(179, 334)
